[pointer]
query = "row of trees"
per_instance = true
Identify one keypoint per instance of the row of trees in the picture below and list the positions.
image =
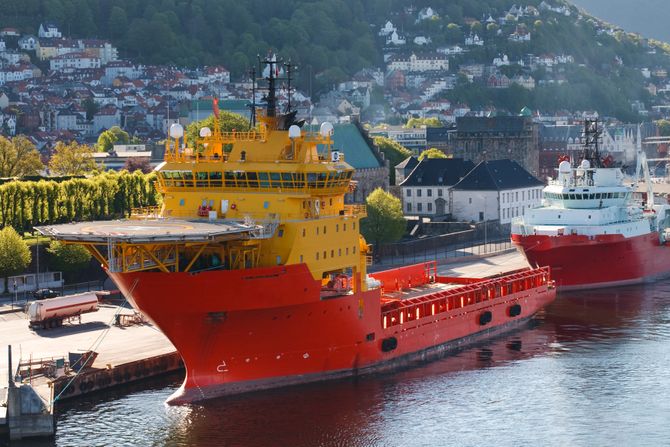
(19, 158)
(24, 204)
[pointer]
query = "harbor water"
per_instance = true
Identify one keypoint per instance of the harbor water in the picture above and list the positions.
(591, 370)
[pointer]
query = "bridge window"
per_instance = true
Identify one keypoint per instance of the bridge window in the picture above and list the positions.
(201, 180)
(215, 179)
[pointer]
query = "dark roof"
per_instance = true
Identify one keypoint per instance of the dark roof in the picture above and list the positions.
(408, 163)
(438, 172)
(560, 133)
(497, 124)
(497, 175)
(437, 134)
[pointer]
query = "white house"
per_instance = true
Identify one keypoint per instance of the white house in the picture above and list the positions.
(473, 40)
(425, 191)
(425, 14)
(495, 190)
(395, 39)
(28, 42)
(387, 29)
(49, 31)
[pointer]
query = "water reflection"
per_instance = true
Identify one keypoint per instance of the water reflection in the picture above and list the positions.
(589, 370)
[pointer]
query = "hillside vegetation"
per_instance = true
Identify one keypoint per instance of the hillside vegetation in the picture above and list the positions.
(332, 39)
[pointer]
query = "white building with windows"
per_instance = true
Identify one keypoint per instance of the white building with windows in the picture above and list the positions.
(425, 191)
(421, 62)
(495, 190)
(74, 61)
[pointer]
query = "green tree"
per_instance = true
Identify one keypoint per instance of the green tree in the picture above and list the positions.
(453, 33)
(663, 127)
(72, 159)
(91, 108)
(68, 258)
(118, 22)
(394, 153)
(18, 157)
(228, 122)
(108, 138)
(14, 253)
(385, 222)
(420, 122)
(433, 152)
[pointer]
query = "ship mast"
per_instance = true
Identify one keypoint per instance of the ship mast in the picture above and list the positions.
(592, 134)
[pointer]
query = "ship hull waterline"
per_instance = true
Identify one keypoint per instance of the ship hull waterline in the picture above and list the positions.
(581, 262)
(241, 331)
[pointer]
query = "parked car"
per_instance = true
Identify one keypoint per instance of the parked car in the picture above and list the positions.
(43, 294)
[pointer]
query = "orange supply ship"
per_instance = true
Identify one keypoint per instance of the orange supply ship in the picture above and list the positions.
(255, 269)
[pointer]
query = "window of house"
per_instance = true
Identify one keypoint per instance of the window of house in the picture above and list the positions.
(418, 192)
(439, 192)
(419, 207)
(429, 192)
(409, 207)
(409, 192)
(430, 207)
(470, 200)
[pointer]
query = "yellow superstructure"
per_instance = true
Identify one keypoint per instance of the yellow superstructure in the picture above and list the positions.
(291, 182)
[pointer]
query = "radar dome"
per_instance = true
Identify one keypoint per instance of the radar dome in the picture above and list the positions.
(176, 130)
(205, 132)
(326, 129)
(564, 167)
(294, 132)
(585, 164)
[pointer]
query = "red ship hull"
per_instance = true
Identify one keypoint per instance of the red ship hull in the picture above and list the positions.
(581, 262)
(246, 330)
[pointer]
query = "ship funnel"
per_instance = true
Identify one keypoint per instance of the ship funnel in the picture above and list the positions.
(176, 130)
(326, 129)
(294, 132)
(205, 132)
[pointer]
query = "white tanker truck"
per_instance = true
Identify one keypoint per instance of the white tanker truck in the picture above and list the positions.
(51, 312)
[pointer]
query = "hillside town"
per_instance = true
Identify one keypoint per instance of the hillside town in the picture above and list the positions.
(57, 88)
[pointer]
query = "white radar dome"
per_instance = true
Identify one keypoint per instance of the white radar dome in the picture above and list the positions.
(326, 129)
(176, 130)
(564, 167)
(205, 132)
(585, 164)
(294, 132)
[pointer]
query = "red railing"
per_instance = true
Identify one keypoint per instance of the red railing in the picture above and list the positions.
(403, 278)
(396, 311)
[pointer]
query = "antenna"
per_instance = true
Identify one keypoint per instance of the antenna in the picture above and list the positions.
(289, 72)
(252, 106)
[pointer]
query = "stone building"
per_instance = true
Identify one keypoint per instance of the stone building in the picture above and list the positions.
(513, 137)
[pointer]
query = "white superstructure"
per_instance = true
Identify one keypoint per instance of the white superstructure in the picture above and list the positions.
(591, 202)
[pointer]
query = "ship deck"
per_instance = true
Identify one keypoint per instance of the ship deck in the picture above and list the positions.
(148, 230)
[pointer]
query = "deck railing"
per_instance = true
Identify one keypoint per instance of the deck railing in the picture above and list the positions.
(398, 312)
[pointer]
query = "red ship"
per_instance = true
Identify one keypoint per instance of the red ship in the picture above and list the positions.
(590, 231)
(255, 269)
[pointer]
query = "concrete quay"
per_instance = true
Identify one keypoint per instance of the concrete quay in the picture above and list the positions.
(125, 354)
